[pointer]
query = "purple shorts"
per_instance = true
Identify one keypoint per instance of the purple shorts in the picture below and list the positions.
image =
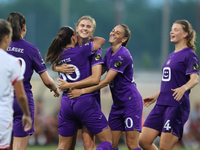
(167, 118)
(126, 118)
(84, 110)
(18, 129)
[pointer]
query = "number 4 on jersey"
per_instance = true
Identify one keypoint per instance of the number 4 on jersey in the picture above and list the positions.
(167, 126)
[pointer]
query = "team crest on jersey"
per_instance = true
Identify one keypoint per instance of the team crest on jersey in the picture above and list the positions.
(196, 66)
(97, 57)
(168, 62)
(118, 64)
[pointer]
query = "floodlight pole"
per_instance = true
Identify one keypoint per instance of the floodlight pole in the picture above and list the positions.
(165, 31)
(119, 8)
(197, 16)
(64, 13)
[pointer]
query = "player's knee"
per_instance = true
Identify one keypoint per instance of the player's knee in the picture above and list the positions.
(165, 147)
(88, 144)
(19, 147)
(131, 144)
(143, 142)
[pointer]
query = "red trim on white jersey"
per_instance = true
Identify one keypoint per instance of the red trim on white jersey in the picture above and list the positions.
(6, 146)
(14, 80)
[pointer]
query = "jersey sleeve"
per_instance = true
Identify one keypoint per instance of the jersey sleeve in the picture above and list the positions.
(192, 65)
(96, 58)
(120, 63)
(86, 49)
(38, 62)
(17, 72)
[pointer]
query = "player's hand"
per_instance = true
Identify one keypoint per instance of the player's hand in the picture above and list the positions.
(67, 69)
(26, 122)
(74, 93)
(63, 85)
(56, 92)
(147, 101)
(178, 92)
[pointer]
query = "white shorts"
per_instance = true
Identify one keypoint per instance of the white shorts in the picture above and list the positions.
(5, 134)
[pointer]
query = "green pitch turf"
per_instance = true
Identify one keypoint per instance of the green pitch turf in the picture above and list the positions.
(53, 147)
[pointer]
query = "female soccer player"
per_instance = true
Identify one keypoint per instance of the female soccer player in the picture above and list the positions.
(31, 60)
(180, 75)
(10, 75)
(85, 109)
(126, 111)
(85, 28)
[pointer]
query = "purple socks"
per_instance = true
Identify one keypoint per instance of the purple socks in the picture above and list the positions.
(104, 146)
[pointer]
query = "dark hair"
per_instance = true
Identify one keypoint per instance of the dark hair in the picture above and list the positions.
(17, 21)
(5, 28)
(62, 39)
(191, 37)
(127, 33)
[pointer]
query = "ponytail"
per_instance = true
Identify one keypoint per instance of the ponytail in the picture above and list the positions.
(54, 51)
(127, 33)
(191, 37)
(62, 39)
(17, 21)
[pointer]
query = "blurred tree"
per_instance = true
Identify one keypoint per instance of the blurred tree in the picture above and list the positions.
(144, 21)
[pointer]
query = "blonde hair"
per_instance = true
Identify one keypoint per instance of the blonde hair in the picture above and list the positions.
(191, 37)
(88, 18)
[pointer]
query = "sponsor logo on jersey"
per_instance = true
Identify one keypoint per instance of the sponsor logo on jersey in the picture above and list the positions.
(97, 57)
(118, 64)
(196, 67)
(168, 62)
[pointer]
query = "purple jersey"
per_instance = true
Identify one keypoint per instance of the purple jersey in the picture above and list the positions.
(122, 87)
(79, 58)
(30, 59)
(176, 72)
(96, 59)
(83, 109)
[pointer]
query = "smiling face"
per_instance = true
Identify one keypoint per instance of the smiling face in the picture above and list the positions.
(117, 35)
(85, 29)
(177, 33)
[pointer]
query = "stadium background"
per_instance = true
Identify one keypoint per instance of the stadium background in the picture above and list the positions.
(149, 21)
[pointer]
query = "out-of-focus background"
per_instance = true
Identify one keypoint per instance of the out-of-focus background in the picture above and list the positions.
(150, 22)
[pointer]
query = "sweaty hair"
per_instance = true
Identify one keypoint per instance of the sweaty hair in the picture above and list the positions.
(191, 37)
(62, 39)
(17, 21)
(5, 28)
(127, 33)
(90, 19)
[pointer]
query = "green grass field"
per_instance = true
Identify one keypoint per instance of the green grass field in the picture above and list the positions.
(53, 147)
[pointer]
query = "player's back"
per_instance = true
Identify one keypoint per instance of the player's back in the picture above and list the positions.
(29, 57)
(79, 58)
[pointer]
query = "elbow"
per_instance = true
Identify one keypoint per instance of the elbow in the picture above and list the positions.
(197, 81)
(97, 81)
(47, 83)
(21, 98)
(103, 41)
(105, 83)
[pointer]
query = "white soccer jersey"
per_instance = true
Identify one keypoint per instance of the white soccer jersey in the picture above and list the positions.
(10, 72)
